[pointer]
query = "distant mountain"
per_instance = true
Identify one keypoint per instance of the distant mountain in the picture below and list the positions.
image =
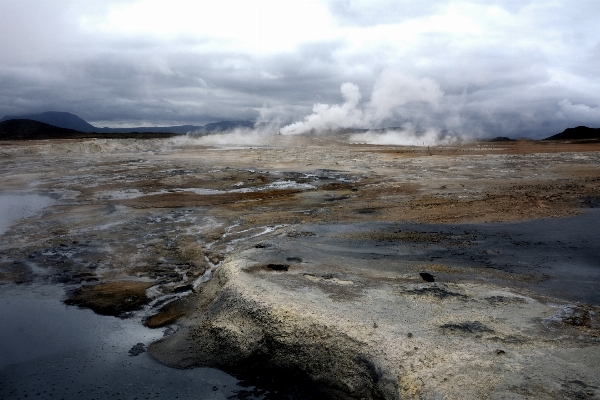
(71, 121)
(28, 129)
(58, 119)
(578, 133)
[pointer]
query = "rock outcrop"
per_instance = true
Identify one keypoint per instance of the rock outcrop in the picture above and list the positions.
(367, 333)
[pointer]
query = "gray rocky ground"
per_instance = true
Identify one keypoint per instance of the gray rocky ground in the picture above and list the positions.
(363, 271)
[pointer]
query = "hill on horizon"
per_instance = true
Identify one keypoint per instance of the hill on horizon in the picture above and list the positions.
(577, 133)
(28, 129)
(66, 120)
(58, 119)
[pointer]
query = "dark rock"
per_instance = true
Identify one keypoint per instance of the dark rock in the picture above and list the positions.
(591, 202)
(300, 234)
(436, 291)
(578, 316)
(183, 288)
(467, 327)
(366, 211)
(427, 277)
(504, 300)
(170, 330)
(278, 267)
(137, 349)
(340, 198)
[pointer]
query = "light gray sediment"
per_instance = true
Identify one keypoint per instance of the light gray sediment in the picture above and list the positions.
(372, 330)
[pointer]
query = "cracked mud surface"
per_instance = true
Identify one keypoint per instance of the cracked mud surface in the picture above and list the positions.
(318, 251)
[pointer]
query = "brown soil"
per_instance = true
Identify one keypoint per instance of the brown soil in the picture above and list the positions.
(187, 199)
(111, 298)
(167, 314)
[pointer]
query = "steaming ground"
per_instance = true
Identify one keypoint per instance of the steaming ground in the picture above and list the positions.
(250, 236)
(395, 97)
(407, 137)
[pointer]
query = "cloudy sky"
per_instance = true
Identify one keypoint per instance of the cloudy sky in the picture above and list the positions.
(482, 68)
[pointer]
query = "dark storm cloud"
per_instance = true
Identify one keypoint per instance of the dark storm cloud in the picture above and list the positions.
(476, 67)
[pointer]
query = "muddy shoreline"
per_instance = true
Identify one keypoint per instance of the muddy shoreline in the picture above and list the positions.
(312, 243)
(49, 351)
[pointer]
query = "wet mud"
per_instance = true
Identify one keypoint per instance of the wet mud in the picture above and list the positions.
(555, 257)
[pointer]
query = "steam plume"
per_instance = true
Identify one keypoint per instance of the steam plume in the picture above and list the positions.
(395, 97)
(326, 117)
(406, 136)
(257, 136)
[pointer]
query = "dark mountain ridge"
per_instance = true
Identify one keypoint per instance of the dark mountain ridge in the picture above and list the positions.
(67, 120)
(27, 129)
(577, 133)
(58, 119)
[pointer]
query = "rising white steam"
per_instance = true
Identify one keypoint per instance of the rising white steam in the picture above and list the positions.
(262, 134)
(395, 96)
(327, 117)
(406, 136)
(242, 137)
(392, 90)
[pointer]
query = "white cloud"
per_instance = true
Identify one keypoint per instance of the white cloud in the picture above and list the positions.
(226, 25)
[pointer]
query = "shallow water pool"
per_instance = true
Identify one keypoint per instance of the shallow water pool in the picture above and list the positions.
(18, 205)
(50, 350)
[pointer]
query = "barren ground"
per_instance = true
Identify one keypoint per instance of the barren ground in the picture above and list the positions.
(304, 239)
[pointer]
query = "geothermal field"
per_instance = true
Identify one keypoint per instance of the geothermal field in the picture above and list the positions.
(299, 267)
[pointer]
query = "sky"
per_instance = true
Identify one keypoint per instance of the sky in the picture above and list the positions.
(480, 68)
